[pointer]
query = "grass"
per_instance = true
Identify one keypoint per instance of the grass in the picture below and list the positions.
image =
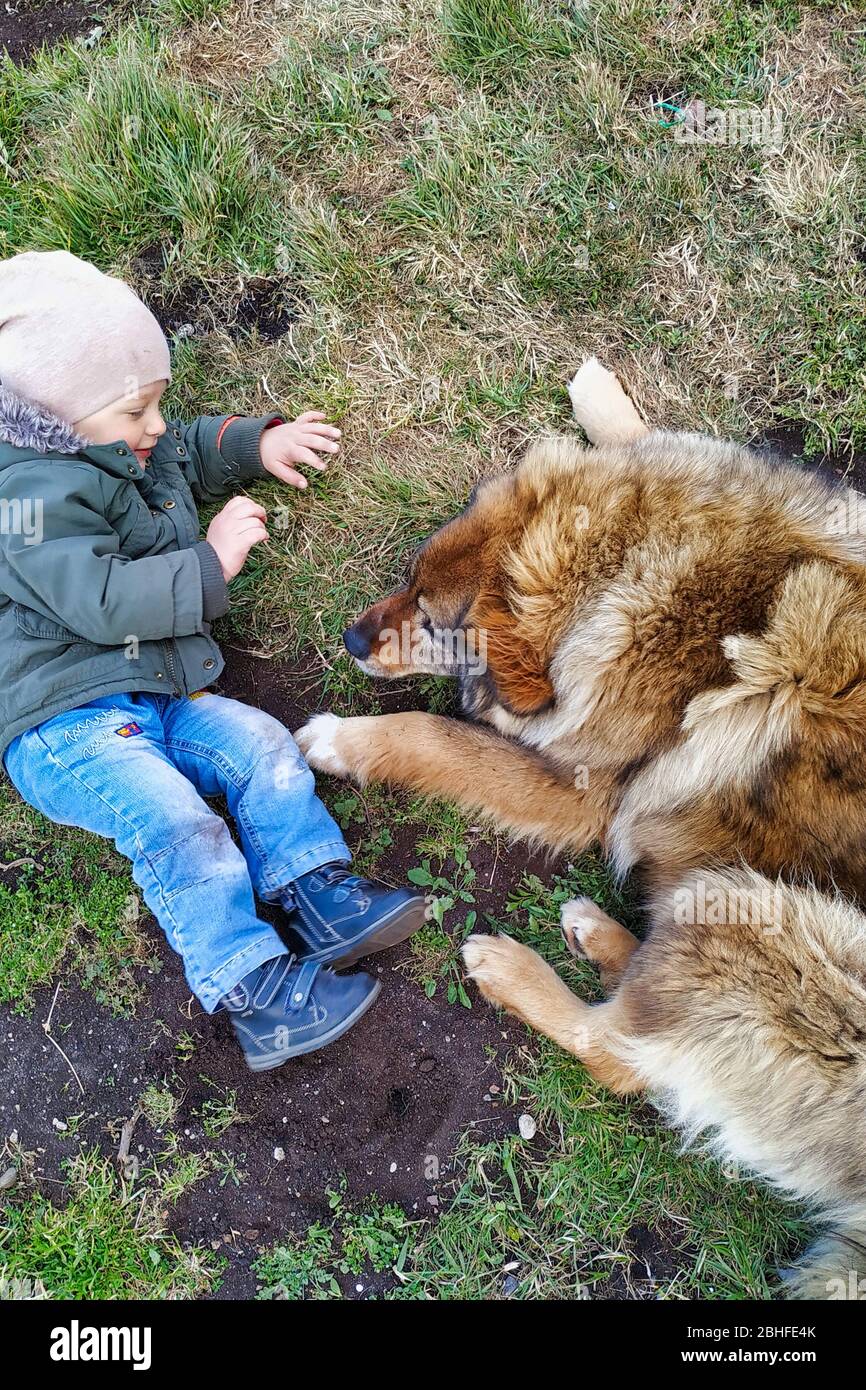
(496, 41)
(435, 951)
(454, 203)
(159, 1105)
(177, 1172)
(600, 1202)
(221, 1111)
(67, 908)
(108, 1241)
(370, 1238)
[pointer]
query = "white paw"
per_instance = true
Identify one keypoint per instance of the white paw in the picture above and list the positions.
(317, 741)
(475, 951)
(589, 376)
(579, 920)
(493, 962)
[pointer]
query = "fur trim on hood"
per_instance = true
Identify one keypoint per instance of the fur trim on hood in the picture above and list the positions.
(27, 425)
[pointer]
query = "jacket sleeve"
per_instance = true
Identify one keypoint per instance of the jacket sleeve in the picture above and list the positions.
(222, 451)
(67, 564)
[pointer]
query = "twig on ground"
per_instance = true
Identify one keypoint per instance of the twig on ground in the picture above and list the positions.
(128, 1162)
(46, 1028)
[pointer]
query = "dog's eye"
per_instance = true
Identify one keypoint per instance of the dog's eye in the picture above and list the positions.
(425, 618)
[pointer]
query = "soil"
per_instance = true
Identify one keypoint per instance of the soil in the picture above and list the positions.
(25, 26)
(789, 445)
(266, 305)
(396, 1092)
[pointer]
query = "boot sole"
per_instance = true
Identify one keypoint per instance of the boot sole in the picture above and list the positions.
(276, 1059)
(405, 920)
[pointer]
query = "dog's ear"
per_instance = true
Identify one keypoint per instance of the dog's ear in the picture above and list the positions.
(516, 670)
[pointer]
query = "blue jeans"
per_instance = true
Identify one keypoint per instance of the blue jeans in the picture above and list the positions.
(134, 768)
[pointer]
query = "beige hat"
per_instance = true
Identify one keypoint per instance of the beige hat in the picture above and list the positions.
(72, 339)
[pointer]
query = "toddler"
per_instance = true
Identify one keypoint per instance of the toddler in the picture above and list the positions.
(107, 719)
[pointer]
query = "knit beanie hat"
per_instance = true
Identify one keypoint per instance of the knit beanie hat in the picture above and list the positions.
(72, 339)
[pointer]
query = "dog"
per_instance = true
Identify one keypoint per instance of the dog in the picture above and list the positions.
(665, 637)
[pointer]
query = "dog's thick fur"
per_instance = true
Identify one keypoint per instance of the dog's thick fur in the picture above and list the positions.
(675, 641)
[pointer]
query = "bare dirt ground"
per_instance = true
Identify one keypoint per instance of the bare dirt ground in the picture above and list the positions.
(25, 26)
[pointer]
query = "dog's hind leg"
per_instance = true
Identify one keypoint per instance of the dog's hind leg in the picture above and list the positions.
(590, 934)
(474, 767)
(601, 407)
(517, 979)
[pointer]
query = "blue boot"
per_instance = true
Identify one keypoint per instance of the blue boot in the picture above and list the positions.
(285, 1008)
(339, 917)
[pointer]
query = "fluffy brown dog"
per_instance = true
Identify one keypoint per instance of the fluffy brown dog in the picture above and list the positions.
(668, 636)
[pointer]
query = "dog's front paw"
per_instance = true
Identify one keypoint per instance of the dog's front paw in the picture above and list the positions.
(320, 742)
(498, 966)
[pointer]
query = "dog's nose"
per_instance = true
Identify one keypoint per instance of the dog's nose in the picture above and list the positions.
(356, 644)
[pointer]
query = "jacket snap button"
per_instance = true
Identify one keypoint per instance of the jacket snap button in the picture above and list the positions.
(209, 664)
(122, 452)
(168, 505)
(158, 675)
(298, 998)
(131, 468)
(180, 450)
(176, 433)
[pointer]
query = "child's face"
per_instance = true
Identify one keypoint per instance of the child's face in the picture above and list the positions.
(134, 418)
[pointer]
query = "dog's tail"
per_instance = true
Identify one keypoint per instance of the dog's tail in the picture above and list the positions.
(834, 1267)
(601, 407)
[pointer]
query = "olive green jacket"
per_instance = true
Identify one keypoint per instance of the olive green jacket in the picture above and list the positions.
(105, 584)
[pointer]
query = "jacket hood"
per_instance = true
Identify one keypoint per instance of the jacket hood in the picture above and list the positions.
(26, 425)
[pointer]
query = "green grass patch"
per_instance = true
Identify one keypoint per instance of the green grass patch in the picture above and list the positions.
(321, 103)
(186, 11)
(104, 1241)
(370, 1237)
(601, 1202)
(130, 160)
(495, 41)
(72, 911)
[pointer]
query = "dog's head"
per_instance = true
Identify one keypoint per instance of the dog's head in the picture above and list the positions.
(453, 617)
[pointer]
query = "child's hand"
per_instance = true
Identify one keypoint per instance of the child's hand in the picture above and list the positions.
(234, 531)
(298, 442)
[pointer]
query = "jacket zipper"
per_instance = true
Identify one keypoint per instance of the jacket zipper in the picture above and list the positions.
(172, 669)
(169, 653)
